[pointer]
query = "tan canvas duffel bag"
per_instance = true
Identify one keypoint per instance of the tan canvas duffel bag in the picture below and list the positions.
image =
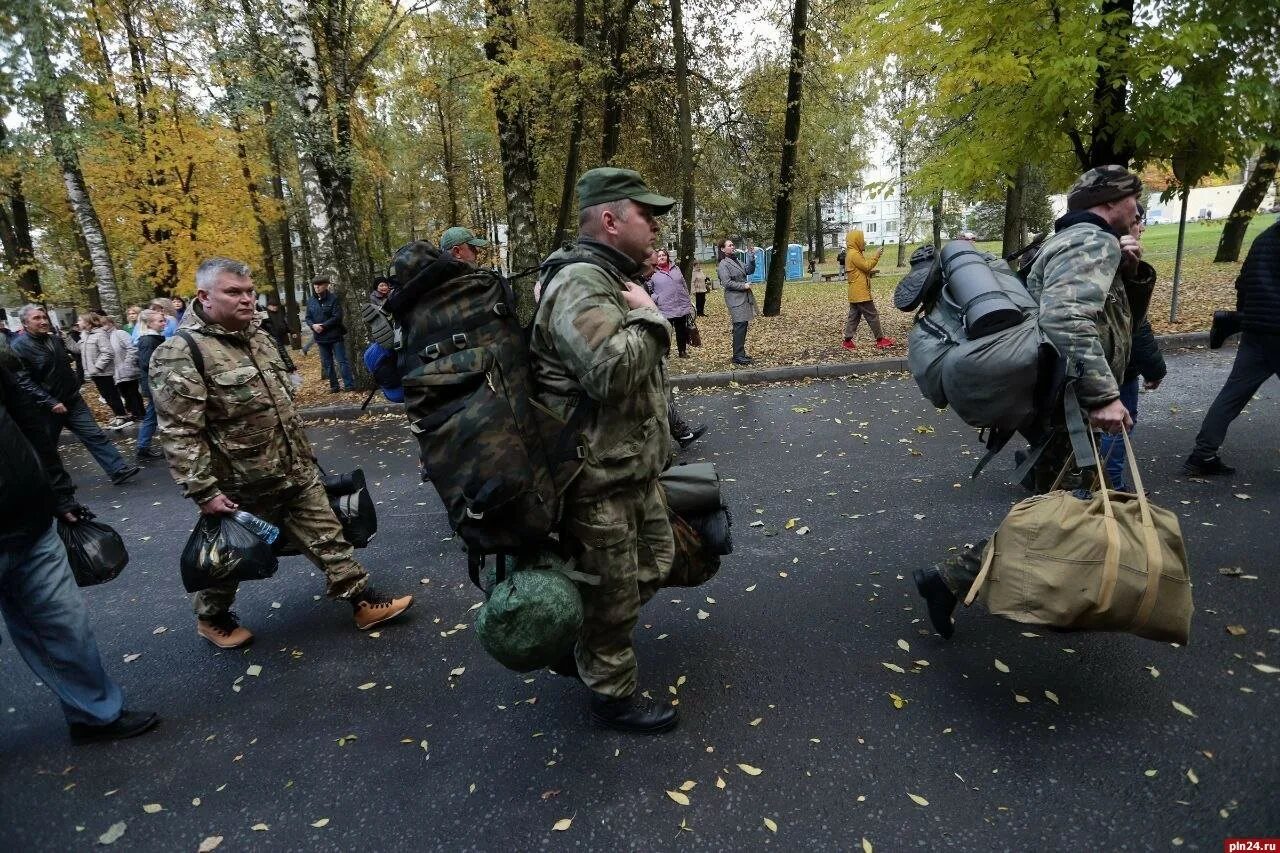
(1110, 563)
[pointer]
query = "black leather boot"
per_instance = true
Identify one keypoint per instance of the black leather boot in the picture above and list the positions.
(939, 599)
(632, 714)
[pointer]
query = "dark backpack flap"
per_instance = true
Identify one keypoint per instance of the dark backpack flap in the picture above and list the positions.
(95, 551)
(692, 489)
(358, 516)
(221, 550)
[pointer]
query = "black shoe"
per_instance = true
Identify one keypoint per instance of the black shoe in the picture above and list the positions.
(146, 454)
(1225, 324)
(1200, 466)
(120, 477)
(690, 436)
(742, 361)
(335, 390)
(636, 716)
(939, 598)
(128, 724)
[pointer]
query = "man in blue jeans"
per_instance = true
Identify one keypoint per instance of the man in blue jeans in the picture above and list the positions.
(47, 378)
(324, 316)
(42, 606)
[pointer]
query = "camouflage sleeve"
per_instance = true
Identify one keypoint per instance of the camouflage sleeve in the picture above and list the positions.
(1078, 277)
(179, 395)
(610, 350)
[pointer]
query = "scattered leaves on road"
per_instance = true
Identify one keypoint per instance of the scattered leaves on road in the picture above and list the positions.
(679, 797)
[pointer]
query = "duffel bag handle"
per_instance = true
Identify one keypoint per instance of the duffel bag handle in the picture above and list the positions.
(1155, 550)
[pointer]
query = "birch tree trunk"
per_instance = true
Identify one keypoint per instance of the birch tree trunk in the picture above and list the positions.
(575, 125)
(34, 31)
(688, 197)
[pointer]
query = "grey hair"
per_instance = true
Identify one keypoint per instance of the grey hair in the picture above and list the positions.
(210, 268)
(27, 310)
(147, 313)
(589, 217)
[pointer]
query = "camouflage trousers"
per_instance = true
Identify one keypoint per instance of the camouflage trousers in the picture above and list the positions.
(624, 539)
(303, 515)
(960, 570)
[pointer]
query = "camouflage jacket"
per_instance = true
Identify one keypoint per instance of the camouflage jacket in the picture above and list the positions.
(233, 429)
(586, 342)
(1085, 310)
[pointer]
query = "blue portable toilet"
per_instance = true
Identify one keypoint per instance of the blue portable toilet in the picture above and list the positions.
(762, 265)
(795, 262)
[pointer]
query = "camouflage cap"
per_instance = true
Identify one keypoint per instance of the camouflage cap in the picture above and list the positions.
(410, 259)
(1101, 185)
(606, 184)
(457, 235)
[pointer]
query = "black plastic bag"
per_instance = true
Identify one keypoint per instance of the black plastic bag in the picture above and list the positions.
(94, 550)
(221, 550)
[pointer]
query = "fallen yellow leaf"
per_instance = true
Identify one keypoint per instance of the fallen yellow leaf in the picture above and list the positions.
(904, 645)
(1265, 667)
(892, 666)
(719, 783)
(678, 797)
(1191, 775)
(688, 786)
(1184, 709)
(367, 685)
(757, 721)
(259, 827)
(562, 824)
(1001, 665)
(209, 844)
(321, 823)
(1052, 697)
(749, 770)
(918, 800)
(770, 825)
(791, 522)
(153, 808)
(1019, 698)
(866, 846)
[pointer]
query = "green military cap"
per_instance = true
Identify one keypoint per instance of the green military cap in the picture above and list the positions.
(603, 185)
(1101, 185)
(457, 235)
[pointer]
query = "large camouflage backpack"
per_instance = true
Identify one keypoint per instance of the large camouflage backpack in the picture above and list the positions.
(975, 344)
(468, 384)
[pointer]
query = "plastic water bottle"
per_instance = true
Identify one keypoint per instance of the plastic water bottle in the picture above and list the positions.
(264, 530)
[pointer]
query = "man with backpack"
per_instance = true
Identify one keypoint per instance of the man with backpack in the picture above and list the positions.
(234, 440)
(598, 342)
(1087, 311)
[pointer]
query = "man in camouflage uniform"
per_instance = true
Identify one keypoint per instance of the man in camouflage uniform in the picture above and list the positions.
(1087, 310)
(234, 441)
(598, 342)
(461, 244)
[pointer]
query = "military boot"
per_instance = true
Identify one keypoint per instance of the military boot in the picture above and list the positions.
(632, 714)
(371, 607)
(224, 631)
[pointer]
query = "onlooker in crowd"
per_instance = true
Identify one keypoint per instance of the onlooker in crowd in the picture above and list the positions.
(462, 244)
(131, 319)
(738, 297)
(152, 322)
(240, 444)
(124, 356)
(1257, 357)
(324, 316)
(671, 295)
(680, 429)
(98, 357)
(858, 269)
(5, 331)
(41, 603)
(1087, 311)
(165, 307)
(50, 381)
(277, 326)
(179, 306)
(701, 286)
(598, 337)
(381, 290)
(1146, 362)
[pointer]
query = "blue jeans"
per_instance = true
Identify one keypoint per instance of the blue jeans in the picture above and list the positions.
(327, 352)
(1112, 446)
(80, 421)
(148, 428)
(49, 626)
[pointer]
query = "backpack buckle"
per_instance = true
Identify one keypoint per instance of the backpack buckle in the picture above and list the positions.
(431, 351)
(500, 308)
(476, 516)
(460, 341)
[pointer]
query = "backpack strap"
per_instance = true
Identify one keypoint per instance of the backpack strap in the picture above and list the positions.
(197, 357)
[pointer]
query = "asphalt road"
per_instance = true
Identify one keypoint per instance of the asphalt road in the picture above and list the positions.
(414, 739)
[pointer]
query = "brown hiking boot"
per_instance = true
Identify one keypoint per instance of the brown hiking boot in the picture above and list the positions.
(224, 631)
(373, 608)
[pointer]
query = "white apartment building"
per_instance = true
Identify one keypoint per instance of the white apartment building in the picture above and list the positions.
(873, 204)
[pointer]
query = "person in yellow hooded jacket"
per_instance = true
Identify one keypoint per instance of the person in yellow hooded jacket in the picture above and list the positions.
(858, 269)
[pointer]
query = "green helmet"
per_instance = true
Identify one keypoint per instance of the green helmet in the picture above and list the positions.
(531, 619)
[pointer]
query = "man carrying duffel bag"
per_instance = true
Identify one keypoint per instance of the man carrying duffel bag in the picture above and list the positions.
(1087, 310)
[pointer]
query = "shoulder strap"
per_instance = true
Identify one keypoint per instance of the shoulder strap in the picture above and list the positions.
(197, 357)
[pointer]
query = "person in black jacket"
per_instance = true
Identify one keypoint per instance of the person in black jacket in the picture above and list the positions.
(1146, 361)
(39, 599)
(324, 316)
(48, 379)
(1257, 358)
